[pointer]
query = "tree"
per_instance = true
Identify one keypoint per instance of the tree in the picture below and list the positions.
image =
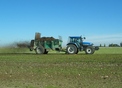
(100, 45)
(113, 45)
(121, 44)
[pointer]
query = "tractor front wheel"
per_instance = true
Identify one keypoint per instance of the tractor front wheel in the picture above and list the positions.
(71, 49)
(89, 50)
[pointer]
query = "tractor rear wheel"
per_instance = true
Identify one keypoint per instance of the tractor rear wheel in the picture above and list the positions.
(40, 50)
(89, 50)
(71, 49)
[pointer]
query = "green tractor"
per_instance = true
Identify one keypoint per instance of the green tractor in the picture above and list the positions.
(76, 44)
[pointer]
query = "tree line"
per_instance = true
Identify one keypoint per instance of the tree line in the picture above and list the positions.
(112, 45)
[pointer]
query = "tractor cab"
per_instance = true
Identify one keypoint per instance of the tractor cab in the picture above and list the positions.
(75, 39)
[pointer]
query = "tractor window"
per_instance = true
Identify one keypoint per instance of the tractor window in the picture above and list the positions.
(79, 40)
(74, 40)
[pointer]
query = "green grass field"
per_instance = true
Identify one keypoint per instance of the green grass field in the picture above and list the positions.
(20, 68)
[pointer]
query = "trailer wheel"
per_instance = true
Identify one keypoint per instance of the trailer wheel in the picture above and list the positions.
(71, 49)
(45, 52)
(89, 50)
(40, 50)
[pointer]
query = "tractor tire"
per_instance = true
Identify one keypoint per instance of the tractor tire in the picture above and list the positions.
(89, 50)
(71, 49)
(40, 50)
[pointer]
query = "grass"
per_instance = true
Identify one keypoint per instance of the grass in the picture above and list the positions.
(103, 50)
(110, 50)
(28, 70)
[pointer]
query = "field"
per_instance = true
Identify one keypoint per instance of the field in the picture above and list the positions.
(20, 68)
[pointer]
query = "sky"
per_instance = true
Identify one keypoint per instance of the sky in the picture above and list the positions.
(100, 21)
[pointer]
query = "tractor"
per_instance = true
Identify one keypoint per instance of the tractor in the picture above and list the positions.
(76, 44)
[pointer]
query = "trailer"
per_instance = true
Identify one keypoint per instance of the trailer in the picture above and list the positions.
(42, 45)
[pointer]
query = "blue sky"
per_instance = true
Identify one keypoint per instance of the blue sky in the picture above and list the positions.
(100, 21)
